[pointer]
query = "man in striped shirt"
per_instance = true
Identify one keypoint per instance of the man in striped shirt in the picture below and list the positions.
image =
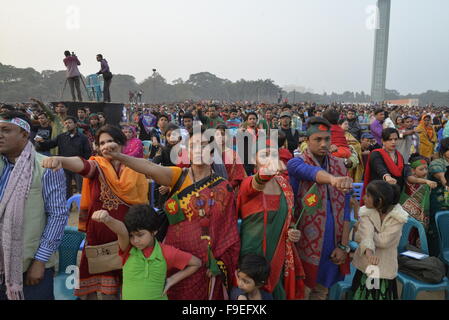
(45, 212)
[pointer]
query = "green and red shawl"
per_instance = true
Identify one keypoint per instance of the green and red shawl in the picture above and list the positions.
(264, 231)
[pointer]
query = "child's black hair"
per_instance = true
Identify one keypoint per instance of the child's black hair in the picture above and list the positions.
(444, 146)
(313, 121)
(256, 267)
(331, 115)
(188, 115)
(282, 137)
(384, 195)
(416, 157)
(251, 113)
(142, 217)
(171, 127)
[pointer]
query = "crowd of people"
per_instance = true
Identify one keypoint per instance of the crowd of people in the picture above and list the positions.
(254, 223)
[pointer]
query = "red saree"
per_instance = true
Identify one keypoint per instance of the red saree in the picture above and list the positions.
(218, 197)
(266, 220)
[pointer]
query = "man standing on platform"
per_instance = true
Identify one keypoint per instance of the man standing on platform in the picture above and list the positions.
(139, 96)
(107, 77)
(73, 74)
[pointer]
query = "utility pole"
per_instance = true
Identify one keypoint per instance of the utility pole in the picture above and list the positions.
(154, 85)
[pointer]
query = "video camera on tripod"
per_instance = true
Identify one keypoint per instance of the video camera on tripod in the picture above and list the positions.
(93, 87)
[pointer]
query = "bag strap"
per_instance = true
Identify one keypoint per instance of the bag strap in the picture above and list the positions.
(179, 183)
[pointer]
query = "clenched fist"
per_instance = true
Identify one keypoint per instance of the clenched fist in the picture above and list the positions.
(343, 184)
(294, 235)
(431, 184)
(390, 180)
(101, 216)
(270, 166)
(110, 150)
(54, 163)
(333, 148)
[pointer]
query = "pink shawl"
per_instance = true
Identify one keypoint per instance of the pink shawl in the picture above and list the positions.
(134, 146)
(12, 207)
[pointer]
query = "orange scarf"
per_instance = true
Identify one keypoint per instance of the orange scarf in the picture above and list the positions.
(131, 187)
(429, 129)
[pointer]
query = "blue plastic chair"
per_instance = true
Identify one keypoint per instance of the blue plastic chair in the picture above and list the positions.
(338, 290)
(94, 85)
(406, 229)
(152, 187)
(68, 252)
(411, 286)
(442, 222)
(75, 198)
(353, 244)
(147, 145)
(357, 187)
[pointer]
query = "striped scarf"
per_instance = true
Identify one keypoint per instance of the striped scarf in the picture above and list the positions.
(12, 207)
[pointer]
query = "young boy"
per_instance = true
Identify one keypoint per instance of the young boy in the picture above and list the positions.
(252, 275)
(145, 261)
(233, 123)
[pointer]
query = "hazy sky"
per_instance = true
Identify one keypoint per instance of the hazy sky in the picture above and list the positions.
(319, 44)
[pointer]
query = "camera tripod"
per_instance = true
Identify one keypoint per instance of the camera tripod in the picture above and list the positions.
(84, 85)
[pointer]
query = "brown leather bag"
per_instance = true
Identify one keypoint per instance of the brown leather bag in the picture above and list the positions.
(103, 258)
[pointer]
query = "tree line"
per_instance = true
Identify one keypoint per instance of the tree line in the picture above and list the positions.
(19, 84)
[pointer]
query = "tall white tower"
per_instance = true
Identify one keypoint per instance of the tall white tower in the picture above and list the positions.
(381, 52)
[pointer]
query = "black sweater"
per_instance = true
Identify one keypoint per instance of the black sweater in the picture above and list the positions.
(76, 146)
(379, 169)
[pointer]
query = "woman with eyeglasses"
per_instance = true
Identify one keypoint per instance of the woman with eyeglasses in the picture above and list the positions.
(202, 220)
